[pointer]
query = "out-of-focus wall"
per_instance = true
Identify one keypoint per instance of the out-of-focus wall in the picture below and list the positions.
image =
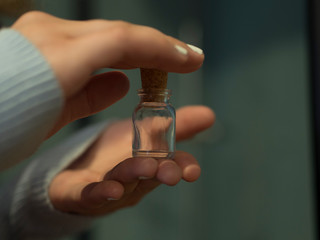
(257, 80)
(257, 162)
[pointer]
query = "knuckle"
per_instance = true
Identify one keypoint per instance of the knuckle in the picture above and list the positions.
(120, 30)
(97, 24)
(121, 24)
(117, 30)
(33, 16)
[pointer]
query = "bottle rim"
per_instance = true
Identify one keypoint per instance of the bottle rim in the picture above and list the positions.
(157, 91)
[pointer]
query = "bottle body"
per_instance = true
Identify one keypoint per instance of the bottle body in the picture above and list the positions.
(154, 125)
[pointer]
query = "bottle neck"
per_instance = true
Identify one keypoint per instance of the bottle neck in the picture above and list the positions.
(154, 95)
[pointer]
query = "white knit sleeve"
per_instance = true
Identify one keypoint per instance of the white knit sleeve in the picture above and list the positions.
(30, 98)
(26, 211)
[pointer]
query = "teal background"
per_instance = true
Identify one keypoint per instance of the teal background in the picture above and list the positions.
(257, 173)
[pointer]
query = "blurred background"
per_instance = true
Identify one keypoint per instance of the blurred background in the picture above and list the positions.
(258, 162)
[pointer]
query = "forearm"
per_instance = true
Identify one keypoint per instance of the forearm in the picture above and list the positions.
(26, 211)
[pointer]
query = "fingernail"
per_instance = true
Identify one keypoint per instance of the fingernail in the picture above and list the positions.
(195, 49)
(143, 178)
(181, 50)
(111, 199)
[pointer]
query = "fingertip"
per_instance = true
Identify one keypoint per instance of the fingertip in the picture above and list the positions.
(168, 172)
(208, 115)
(200, 111)
(133, 169)
(113, 190)
(147, 168)
(195, 49)
(98, 193)
(191, 173)
(192, 120)
(191, 169)
(211, 114)
(188, 57)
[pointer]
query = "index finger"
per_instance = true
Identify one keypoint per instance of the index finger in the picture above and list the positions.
(123, 45)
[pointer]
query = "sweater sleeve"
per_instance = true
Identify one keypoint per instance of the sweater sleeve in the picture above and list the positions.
(26, 211)
(30, 102)
(30, 98)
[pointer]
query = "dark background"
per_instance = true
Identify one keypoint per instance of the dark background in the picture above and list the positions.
(258, 161)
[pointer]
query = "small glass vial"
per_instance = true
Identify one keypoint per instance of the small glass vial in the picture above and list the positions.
(154, 125)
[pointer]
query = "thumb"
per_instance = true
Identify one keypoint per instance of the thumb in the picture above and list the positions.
(102, 91)
(192, 120)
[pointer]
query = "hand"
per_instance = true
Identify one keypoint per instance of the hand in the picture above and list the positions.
(75, 49)
(106, 178)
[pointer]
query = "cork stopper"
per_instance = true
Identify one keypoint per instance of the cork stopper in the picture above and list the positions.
(153, 79)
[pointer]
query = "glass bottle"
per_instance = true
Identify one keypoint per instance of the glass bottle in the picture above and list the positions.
(154, 125)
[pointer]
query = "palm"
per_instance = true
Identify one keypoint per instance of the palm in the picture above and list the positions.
(106, 172)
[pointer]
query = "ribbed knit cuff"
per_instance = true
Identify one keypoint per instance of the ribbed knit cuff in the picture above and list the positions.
(32, 215)
(30, 98)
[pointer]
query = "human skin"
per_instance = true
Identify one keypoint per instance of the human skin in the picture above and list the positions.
(76, 49)
(106, 178)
